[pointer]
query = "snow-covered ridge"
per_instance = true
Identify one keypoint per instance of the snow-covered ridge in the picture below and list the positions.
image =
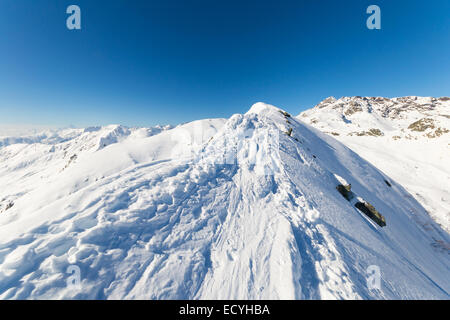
(397, 118)
(239, 208)
(408, 138)
(108, 134)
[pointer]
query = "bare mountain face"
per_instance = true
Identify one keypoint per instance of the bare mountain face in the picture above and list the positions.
(408, 138)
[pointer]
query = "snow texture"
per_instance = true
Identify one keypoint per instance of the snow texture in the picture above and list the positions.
(412, 145)
(213, 209)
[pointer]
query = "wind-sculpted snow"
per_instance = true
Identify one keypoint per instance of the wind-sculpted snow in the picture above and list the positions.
(226, 209)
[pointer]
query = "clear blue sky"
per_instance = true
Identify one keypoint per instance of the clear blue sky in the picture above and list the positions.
(166, 61)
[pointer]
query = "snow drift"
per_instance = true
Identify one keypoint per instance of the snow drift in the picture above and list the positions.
(243, 208)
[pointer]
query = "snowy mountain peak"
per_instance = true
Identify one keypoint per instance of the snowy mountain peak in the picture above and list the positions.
(262, 108)
(399, 118)
(406, 137)
(239, 208)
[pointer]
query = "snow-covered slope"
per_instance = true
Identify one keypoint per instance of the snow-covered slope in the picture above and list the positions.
(407, 138)
(233, 209)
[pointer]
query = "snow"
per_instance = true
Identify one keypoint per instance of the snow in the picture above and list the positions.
(212, 209)
(415, 159)
(262, 108)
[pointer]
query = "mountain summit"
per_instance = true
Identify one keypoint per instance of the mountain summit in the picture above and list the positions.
(399, 118)
(239, 208)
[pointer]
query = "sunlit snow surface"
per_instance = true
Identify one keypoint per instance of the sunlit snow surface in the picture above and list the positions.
(418, 160)
(226, 209)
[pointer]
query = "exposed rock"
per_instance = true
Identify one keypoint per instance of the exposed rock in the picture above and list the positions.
(422, 125)
(437, 133)
(285, 114)
(8, 206)
(326, 102)
(372, 132)
(353, 108)
(370, 211)
(345, 191)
